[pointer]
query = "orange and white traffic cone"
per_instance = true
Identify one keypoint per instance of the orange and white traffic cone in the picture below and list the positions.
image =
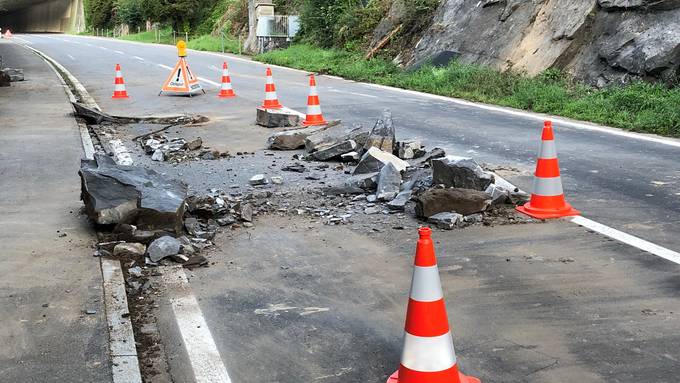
(547, 196)
(226, 90)
(314, 116)
(119, 88)
(8, 33)
(271, 101)
(428, 354)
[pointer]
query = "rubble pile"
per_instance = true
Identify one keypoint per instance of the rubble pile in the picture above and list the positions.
(13, 74)
(175, 150)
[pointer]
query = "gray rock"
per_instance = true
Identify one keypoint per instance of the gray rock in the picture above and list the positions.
(374, 159)
(129, 194)
(463, 201)
(151, 145)
(367, 181)
(460, 172)
(258, 179)
(382, 134)
(135, 271)
(371, 198)
(194, 144)
(277, 180)
(226, 221)
(389, 180)
(446, 220)
(293, 139)
(372, 210)
(335, 135)
(158, 155)
(246, 212)
(276, 118)
(129, 250)
(410, 149)
(15, 74)
(327, 153)
(399, 202)
(473, 218)
(498, 194)
(5, 80)
(163, 247)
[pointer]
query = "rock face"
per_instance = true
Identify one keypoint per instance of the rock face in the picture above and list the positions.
(129, 194)
(460, 172)
(597, 41)
(462, 201)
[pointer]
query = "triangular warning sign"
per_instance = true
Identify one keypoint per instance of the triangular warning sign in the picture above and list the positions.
(181, 81)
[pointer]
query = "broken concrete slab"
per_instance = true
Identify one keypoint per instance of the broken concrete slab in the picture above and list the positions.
(446, 220)
(129, 250)
(350, 157)
(276, 118)
(334, 135)
(163, 247)
(130, 194)
(368, 181)
(332, 151)
(382, 134)
(374, 159)
(429, 156)
(460, 172)
(295, 138)
(462, 201)
(389, 181)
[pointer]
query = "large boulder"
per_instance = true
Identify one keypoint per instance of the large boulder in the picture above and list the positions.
(374, 159)
(460, 172)
(382, 134)
(130, 194)
(277, 118)
(462, 201)
(335, 150)
(163, 247)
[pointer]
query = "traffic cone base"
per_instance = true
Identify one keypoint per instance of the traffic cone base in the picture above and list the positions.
(546, 213)
(418, 377)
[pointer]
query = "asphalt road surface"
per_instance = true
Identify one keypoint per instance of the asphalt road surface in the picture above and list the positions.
(528, 303)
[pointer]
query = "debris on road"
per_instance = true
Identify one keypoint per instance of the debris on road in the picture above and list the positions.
(129, 194)
(163, 247)
(276, 118)
(382, 135)
(14, 74)
(374, 159)
(460, 172)
(463, 201)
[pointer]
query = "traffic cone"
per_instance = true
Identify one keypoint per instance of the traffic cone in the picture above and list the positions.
(428, 354)
(8, 33)
(271, 101)
(314, 116)
(119, 89)
(226, 90)
(547, 196)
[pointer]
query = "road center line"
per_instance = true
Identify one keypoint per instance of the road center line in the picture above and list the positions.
(200, 346)
(164, 66)
(71, 57)
(138, 58)
(628, 239)
(208, 81)
(120, 52)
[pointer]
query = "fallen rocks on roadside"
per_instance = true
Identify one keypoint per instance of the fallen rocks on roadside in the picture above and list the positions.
(163, 247)
(129, 194)
(460, 172)
(129, 250)
(389, 181)
(410, 149)
(14, 74)
(258, 179)
(462, 201)
(335, 150)
(293, 139)
(399, 202)
(335, 135)
(446, 220)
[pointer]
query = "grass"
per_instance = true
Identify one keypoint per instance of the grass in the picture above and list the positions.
(640, 106)
(200, 43)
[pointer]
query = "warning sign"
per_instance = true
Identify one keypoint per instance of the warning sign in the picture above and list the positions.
(181, 81)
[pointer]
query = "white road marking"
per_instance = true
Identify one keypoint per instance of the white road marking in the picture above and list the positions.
(164, 66)
(120, 52)
(628, 239)
(104, 49)
(208, 81)
(138, 58)
(203, 354)
(352, 93)
(71, 57)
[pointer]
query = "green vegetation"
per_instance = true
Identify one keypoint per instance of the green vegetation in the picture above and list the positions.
(640, 106)
(200, 43)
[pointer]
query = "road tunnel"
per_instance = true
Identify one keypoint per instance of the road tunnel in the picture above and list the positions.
(42, 15)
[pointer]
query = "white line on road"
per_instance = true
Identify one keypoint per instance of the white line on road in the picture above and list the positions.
(71, 57)
(200, 346)
(104, 49)
(628, 239)
(120, 52)
(138, 58)
(352, 93)
(209, 81)
(164, 66)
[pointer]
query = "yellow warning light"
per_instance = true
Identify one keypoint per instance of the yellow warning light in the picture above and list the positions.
(181, 48)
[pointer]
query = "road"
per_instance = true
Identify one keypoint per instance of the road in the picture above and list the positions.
(627, 183)
(293, 300)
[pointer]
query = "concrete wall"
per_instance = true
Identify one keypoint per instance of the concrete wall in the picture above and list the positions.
(50, 16)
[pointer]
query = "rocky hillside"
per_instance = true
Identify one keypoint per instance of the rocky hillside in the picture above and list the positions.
(597, 41)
